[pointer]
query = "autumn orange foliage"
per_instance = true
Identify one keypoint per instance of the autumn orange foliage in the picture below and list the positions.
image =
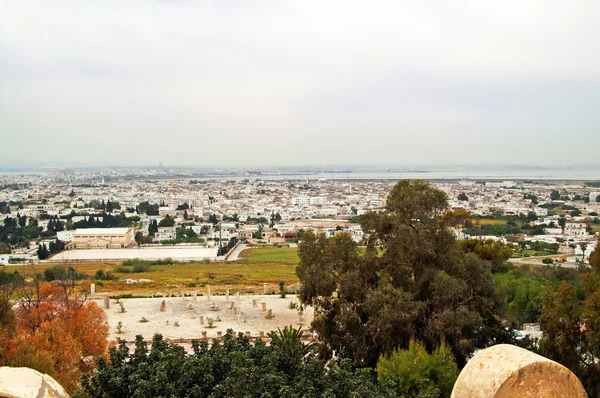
(58, 334)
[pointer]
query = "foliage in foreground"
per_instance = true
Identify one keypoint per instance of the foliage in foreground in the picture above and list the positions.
(415, 371)
(234, 367)
(52, 330)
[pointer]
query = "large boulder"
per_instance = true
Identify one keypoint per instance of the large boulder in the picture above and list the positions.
(504, 371)
(28, 383)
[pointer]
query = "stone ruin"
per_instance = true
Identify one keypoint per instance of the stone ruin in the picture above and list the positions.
(28, 383)
(505, 371)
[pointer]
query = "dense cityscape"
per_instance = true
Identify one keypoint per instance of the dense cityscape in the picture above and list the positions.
(283, 199)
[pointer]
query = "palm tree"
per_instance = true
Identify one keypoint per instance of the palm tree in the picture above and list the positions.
(288, 342)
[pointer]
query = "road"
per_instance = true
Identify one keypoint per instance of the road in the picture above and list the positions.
(236, 252)
(538, 261)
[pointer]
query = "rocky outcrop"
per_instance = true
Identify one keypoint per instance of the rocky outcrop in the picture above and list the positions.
(504, 371)
(28, 383)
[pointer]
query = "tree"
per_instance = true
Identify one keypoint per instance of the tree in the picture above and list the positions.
(288, 342)
(572, 331)
(595, 258)
(495, 252)
(168, 221)
(152, 228)
(412, 282)
(554, 195)
(42, 251)
(233, 367)
(415, 372)
(57, 331)
(598, 199)
(562, 222)
(185, 215)
(463, 197)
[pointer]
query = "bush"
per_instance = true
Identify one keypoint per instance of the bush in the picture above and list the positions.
(104, 276)
(414, 371)
(548, 260)
(134, 269)
(59, 272)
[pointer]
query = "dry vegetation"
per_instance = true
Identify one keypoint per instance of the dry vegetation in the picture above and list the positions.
(255, 267)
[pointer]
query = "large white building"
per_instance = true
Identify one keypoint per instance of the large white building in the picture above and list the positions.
(307, 201)
(103, 238)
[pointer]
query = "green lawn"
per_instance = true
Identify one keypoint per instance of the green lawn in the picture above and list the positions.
(285, 256)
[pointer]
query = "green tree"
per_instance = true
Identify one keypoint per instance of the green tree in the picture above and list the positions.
(289, 343)
(412, 282)
(463, 197)
(168, 221)
(562, 222)
(415, 371)
(42, 251)
(554, 195)
(572, 331)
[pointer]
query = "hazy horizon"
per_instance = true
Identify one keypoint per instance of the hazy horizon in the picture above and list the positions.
(232, 84)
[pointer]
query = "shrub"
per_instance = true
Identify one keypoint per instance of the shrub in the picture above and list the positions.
(210, 322)
(120, 327)
(104, 276)
(548, 260)
(414, 371)
(59, 272)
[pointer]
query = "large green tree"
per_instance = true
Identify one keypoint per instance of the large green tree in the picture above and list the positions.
(413, 282)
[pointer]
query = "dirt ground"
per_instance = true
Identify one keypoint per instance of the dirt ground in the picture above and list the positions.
(239, 314)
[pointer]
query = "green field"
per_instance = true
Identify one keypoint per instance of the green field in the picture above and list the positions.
(285, 256)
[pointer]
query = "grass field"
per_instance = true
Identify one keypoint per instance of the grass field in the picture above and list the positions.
(486, 221)
(286, 256)
(255, 267)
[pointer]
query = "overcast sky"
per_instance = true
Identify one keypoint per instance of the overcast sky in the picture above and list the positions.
(282, 82)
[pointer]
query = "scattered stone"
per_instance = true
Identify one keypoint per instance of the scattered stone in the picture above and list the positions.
(106, 301)
(176, 324)
(163, 306)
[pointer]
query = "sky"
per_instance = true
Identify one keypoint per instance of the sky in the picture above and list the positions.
(286, 83)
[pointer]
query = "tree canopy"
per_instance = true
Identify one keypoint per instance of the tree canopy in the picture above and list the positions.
(233, 367)
(413, 282)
